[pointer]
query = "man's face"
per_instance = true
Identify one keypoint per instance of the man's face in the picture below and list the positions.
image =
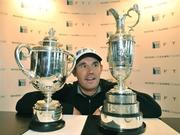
(88, 71)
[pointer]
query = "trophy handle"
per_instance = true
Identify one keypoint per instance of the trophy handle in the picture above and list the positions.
(18, 52)
(120, 21)
(70, 60)
(135, 8)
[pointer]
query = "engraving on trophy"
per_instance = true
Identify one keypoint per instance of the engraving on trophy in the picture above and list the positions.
(120, 112)
(49, 68)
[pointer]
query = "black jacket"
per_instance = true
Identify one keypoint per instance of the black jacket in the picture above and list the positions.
(68, 96)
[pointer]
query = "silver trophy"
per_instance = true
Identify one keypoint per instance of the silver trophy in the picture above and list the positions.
(120, 112)
(49, 68)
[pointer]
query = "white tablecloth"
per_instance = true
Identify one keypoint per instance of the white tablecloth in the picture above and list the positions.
(74, 125)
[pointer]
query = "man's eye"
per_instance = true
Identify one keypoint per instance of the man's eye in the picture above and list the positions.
(96, 64)
(82, 66)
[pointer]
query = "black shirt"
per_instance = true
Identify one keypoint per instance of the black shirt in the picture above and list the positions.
(69, 97)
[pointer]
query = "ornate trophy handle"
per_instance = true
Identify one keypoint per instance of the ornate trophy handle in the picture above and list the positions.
(73, 61)
(136, 9)
(18, 51)
(120, 21)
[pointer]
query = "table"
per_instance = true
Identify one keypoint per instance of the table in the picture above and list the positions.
(172, 122)
(73, 126)
(13, 124)
(153, 127)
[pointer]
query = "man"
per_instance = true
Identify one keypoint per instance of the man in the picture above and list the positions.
(87, 94)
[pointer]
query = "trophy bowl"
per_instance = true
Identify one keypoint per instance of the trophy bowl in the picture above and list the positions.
(120, 55)
(49, 68)
(120, 112)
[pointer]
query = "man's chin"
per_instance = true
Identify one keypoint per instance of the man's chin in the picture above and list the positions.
(91, 86)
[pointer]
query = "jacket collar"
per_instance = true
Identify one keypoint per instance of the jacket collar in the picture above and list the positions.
(79, 91)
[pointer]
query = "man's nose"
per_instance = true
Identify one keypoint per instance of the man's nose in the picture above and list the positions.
(90, 69)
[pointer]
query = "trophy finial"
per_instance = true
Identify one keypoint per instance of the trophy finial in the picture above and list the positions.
(136, 8)
(51, 32)
(51, 39)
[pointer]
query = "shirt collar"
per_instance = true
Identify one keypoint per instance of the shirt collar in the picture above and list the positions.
(84, 95)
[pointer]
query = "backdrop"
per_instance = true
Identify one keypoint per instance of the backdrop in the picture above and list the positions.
(86, 23)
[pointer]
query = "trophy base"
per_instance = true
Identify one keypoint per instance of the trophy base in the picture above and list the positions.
(46, 126)
(117, 131)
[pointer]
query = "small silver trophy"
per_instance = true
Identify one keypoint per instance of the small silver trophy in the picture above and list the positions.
(120, 112)
(49, 68)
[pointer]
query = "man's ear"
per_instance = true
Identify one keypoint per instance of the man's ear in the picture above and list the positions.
(101, 67)
(74, 72)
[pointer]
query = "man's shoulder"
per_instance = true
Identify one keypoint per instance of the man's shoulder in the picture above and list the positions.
(68, 88)
(71, 85)
(103, 81)
(33, 93)
(106, 84)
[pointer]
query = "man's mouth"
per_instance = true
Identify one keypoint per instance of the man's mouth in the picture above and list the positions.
(90, 78)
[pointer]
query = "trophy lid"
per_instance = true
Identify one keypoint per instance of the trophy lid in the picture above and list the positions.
(50, 40)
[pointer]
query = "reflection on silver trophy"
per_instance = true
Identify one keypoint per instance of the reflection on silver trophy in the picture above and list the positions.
(49, 68)
(120, 112)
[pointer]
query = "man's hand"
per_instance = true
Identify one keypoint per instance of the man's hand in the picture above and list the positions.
(76, 111)
(97, 112)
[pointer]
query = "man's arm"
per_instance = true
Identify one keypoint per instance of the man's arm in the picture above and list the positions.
(26, 103)
(148, 106)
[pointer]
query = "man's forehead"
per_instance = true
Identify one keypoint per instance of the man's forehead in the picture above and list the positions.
(88, 60)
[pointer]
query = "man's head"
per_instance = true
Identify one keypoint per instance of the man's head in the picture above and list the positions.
(87, 52)
(88, 69)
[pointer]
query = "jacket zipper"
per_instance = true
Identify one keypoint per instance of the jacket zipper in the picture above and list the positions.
(89, 105)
